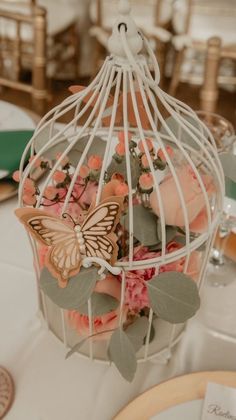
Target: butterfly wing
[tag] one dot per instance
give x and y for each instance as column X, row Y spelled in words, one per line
column 98, row 230
column 63, row 259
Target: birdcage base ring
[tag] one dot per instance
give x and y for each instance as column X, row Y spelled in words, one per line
column 159, row 349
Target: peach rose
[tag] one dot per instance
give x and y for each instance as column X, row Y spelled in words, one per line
column 144, row 161
column 29, row 200
column 115, row 187
column 121, row 136
column 194, row 263
column 146, row 181
column 37, row 162
column 122, row 189
column 148, row 143
column 29, row 187
column 110, row 286
column 50, row 192
column 120, row 149
column 95, row 162
column 59, row 176
column 169, row 151
column 193, row 197
column 84, row 171
column 16, row 176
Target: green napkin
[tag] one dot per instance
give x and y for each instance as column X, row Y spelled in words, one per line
column 12, row 145
column 230, row 188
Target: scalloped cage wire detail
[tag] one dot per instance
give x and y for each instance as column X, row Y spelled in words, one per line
column 162, row 158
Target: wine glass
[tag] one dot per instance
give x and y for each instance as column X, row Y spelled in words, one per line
column 222, row 270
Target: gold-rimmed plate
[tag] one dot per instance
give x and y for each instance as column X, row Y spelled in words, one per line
column 171, row 394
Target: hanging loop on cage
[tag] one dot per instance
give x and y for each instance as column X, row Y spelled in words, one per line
column 133, row 61
column 126, row 22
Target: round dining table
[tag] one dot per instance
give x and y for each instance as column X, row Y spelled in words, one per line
column 49, row 387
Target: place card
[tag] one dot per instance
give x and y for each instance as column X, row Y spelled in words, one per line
column 219, row 403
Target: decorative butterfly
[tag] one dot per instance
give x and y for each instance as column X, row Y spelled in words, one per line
column 70, row 244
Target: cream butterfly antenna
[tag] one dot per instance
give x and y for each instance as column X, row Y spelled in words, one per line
column 125, row 96
column 67, row 215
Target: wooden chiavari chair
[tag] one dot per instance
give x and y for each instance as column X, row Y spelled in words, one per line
column 41, row 36
column 13, row 48
column 216, row 53
column 201, row 20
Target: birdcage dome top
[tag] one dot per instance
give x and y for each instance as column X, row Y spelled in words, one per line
column 152, row 142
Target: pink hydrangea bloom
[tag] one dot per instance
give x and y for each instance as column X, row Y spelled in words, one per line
column 136, row 296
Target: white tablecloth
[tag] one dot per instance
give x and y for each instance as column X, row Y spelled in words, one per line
column 48, row 387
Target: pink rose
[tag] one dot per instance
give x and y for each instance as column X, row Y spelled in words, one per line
column 193, row 197
column 136, row 296
column 194, row 263
column 111, row 286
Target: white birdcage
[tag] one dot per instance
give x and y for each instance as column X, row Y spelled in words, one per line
column 125, row 102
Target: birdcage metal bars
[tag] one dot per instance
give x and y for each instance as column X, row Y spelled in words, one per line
column 125, row 74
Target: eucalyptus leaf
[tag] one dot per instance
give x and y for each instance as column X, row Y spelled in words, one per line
column 101, row 304
column 180, row 133
column 75, row 348
column 75, row 294
column 170, row 232
column 182, row 241
column 173, row 296
column 120, row 167
column 43, row 137
column 228, row 161
column 156, row 247
column 97, row 147
column 121, row 352
column 137, row 331
column 144, row 225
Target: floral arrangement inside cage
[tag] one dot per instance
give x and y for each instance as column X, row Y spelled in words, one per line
column 122, row 223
